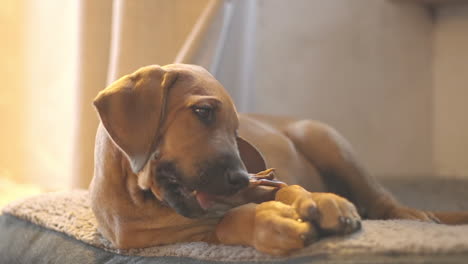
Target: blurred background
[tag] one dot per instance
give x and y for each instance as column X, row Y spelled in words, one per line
column 390, row 75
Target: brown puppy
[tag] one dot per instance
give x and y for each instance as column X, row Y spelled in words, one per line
column 171, row 163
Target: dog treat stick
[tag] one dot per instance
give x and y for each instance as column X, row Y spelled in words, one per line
column 265, row 178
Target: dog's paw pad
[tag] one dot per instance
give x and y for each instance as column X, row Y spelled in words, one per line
column 349, row 225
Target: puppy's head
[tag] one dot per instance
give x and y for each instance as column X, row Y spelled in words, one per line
column 177, row 127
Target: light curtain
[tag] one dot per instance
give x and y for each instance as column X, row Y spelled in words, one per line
column 117, row 37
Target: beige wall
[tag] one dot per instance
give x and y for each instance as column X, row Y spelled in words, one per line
column 451, row 90
column 362, row 66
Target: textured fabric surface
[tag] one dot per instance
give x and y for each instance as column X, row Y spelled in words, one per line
column 24, row 243
column 70, row 213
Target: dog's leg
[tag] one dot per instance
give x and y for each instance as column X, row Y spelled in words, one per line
column 452, row 218
column 294, row 219
column 271, row 227
column 333, row 156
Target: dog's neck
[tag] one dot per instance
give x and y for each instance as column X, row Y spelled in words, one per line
column 146, row 178
column 114, row 176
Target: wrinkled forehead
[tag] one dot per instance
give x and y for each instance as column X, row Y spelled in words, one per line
column 195, row 80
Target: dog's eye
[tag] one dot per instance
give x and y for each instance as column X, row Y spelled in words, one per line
column 204, row 113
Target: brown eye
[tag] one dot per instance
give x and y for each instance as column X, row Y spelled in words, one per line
column 204, row 113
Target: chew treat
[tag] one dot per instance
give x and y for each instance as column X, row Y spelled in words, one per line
column 262, row 187
column 265, row 178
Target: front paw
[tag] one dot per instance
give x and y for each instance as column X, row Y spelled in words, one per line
column 335, row 214
column 279, row 229
column 331, row 213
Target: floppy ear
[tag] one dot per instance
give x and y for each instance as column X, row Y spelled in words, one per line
column 251, row 157
column 132, row 110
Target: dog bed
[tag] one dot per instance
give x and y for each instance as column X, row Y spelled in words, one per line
column 61, row 228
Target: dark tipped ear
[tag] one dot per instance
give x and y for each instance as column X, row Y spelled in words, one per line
column 252, row 158
column 132, row 109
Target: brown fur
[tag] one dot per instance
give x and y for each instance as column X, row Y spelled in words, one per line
column 152, row 151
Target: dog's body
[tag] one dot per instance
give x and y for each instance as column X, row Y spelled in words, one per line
column 168, row 168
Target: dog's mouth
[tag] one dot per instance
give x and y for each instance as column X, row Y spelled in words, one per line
column 206, row 200
column 196, row 200
column 187, row 200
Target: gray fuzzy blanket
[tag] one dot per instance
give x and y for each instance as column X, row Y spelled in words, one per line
column 70, row 213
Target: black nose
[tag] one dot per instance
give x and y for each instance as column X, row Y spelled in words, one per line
column 237, row 179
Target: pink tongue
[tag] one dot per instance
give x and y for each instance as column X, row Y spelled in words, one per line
column 205, row 200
